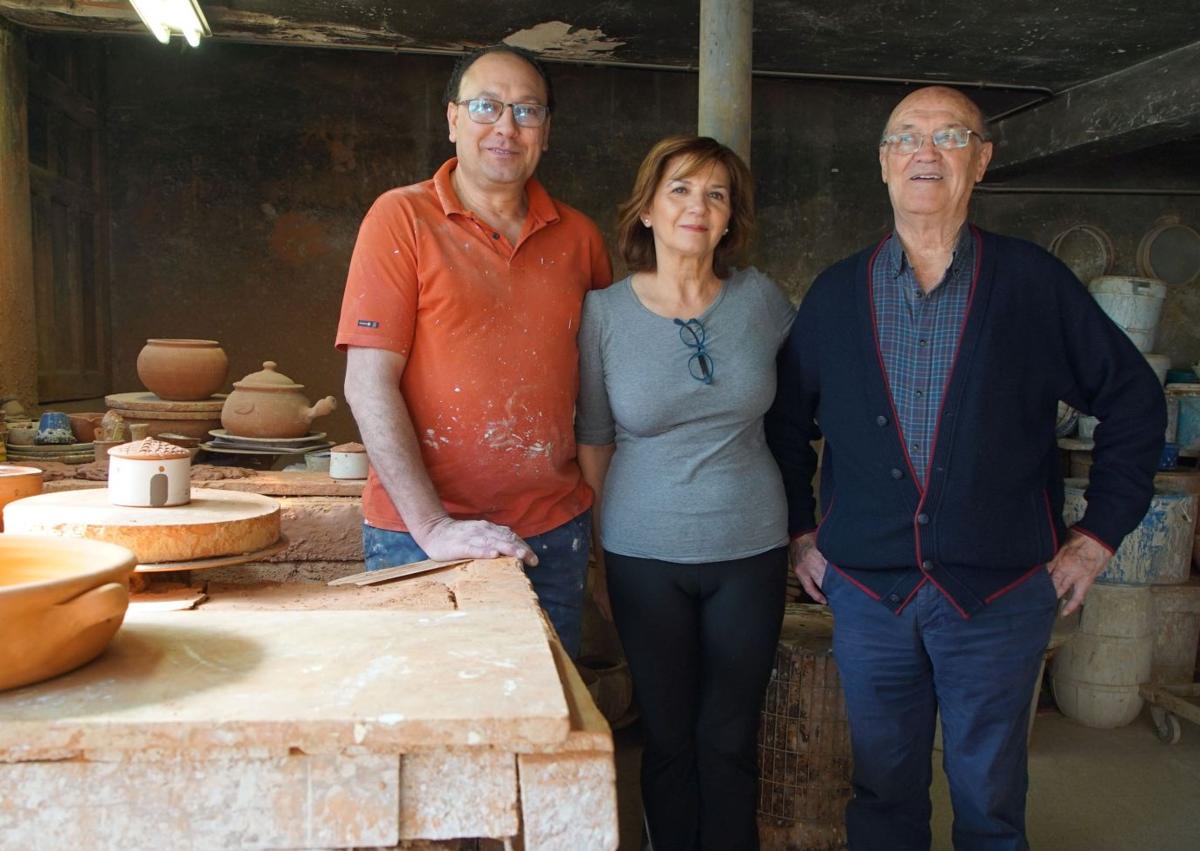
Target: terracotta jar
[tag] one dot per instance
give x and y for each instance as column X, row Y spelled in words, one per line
column 17, row 482
column 182, row 370
column 269, row 404
column 61, row 602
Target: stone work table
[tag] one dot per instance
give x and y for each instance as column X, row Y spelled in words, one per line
column 301, row 716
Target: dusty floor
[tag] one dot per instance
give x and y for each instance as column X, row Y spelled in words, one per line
column 1090, row 790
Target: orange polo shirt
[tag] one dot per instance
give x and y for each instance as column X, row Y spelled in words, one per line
column 489, row 330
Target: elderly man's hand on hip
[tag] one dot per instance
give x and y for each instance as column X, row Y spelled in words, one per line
column 809, row 564
column 1075, row 567
column 447, row 539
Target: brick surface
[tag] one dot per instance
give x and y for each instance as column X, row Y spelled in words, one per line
column 568, row 802
column 458, row 793
column 321, row 528
column 296, row 801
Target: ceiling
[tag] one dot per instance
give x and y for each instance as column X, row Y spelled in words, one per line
column 1113, row 64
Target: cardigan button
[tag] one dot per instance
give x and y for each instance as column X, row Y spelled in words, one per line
column 893, row 598
column 923, row 519
column 881, row 421
column 897, row 473
column 927, row 565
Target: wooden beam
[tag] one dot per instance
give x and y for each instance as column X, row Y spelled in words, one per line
column 1153, row 102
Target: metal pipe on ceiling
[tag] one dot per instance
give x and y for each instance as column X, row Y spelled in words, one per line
column 726, row 66
column 1001, row 189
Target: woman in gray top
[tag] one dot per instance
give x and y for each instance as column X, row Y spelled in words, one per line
column 677, row 368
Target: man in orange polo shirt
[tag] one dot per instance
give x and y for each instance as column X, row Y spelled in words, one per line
column 459, row 321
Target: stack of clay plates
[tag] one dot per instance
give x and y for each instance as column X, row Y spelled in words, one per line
column 63, row 453
column 191, row 419
column 223, row 441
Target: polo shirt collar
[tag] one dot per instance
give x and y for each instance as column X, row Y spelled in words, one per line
column 898, row 261
column 541, row 205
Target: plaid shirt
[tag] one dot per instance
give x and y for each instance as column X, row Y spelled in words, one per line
column 918, row 335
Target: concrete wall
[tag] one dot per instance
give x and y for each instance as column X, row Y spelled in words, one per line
column 239, row 175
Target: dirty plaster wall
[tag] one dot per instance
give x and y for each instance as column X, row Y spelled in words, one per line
column 239, row 175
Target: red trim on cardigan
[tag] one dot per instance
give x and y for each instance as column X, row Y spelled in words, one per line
column 996, row 595
column 1050, row 518
column 909, row 598
column 1092, row 535
column 854, row 582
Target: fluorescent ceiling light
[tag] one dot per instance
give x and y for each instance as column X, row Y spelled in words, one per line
column 163, row 17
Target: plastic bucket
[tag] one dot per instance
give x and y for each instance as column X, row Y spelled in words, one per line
column 1185, row 398
column 1135, row 304
column 1095, row 676
column 1159, row 550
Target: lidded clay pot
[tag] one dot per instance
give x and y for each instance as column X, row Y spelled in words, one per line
column 182, row 370
column 149, row 473
column 269, row 404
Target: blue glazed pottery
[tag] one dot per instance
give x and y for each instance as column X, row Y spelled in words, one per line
column 54, row 427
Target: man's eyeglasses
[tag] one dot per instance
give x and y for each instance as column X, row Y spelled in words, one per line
column 489, row 110
column 700, row 364
column 948, row 139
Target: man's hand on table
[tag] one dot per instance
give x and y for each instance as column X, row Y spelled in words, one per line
column 446, row 539
column 1075, row 567
column 809, row 564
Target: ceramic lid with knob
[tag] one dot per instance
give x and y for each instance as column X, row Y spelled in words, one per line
column 267, row 379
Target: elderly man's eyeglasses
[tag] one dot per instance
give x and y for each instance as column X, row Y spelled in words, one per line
column 489, row 110
column 700, row 364
column 947, row 139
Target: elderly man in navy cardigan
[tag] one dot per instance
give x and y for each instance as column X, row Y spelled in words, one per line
column 932, row 364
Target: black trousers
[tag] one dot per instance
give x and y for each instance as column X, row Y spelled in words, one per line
column 700, row 639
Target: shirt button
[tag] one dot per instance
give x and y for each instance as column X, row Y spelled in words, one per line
column 922, row 343
column 927, row 565
column 881, row 420
column 916, row 447
column 923, row 519
column 897, row 473
column 920, row 393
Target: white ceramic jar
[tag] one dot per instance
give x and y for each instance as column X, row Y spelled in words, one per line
column 149, row 474
column 348, row 461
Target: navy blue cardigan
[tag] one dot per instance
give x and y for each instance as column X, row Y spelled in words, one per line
column 994, row 496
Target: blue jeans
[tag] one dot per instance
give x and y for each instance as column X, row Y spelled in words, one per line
column 558, row 580
column 899, row 671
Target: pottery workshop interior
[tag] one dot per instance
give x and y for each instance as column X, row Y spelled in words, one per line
column 196, row 650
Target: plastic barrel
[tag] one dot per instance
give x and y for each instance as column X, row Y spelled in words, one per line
column 1158, row 551
column 1095, row 676
column 1133, row 303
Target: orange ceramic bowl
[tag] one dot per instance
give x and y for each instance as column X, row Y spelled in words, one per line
column 61, row 602
column 17, row 482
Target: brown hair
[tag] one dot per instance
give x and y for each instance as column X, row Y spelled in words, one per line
column 636, row 242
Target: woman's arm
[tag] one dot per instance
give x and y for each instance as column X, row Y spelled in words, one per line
column 594, row 461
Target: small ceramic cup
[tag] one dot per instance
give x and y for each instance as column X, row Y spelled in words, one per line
column 317, row 462
column 22, row 434
column 54, row 427
column 347, row 464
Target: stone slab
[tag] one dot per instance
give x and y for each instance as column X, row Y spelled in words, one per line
column 297, row 801
column 319, row 681
column 568, row 802
column 298, row 483
column 214, row 523
column 459, row 793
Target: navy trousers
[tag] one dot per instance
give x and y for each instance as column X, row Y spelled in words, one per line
column 899, row 671
column 558, row 579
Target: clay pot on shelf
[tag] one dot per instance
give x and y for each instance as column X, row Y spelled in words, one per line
column 269, row 404
column 16, row 483
column 22, row 434
column 182, row 370
column 84, row 426
column 61, row 602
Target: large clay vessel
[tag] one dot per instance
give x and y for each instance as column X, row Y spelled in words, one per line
column 17, row 482
column 61, row 602
column 269, row 404
column 182, row 370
